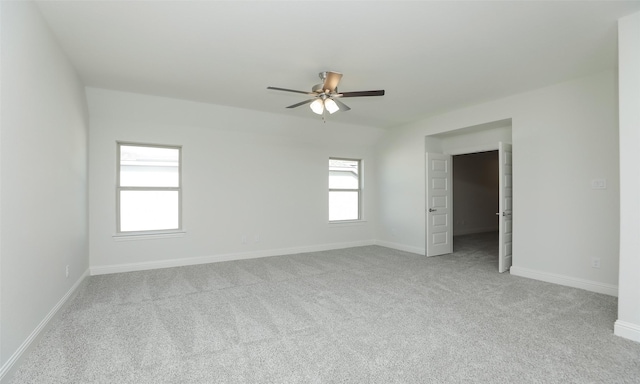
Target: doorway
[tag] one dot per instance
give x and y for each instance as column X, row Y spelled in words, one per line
column 484, row 196
column 476, row 197
column 475, row 193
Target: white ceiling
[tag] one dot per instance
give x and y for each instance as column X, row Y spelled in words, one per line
column 429, row 56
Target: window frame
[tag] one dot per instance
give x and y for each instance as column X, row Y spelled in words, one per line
column 120, row 188
column 358, row 191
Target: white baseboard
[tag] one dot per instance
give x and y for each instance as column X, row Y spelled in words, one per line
column 588, row 285
column 7, row 369
column 143, row 266
column 401, row 247
column 627, row 330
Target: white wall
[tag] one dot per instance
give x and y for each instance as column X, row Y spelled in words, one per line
column 245, row 173
column 475, row 193
column 628, row 323
column 43, row 178
column 484, row 137
column 563, row 137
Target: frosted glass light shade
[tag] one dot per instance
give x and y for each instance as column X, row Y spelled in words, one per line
column 317, row 106
column 331, row 106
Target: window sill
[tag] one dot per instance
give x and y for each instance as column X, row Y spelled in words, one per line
column 346, row 223
column 148, row 236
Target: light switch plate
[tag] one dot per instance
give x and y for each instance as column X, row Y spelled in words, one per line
column 599, row 184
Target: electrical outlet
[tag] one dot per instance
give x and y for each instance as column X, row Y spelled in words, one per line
column 256, row 238
column 595, row 262
column 243, row 239
column 66, row 271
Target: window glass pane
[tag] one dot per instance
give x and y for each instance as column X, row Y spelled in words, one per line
column 148, row 210
column 343, row 174
column 149, row 166
column 343, row 205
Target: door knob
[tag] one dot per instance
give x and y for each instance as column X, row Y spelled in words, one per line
column 432, row 210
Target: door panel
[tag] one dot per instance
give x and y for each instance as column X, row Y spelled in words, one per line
column 505, row 257
column 439, row 236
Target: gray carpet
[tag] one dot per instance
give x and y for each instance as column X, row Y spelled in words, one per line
column 359, row 315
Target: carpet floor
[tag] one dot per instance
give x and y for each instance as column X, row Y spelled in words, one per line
column 359, row 315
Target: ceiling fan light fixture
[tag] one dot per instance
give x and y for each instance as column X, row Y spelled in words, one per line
column 317, row 106
column 331, row 106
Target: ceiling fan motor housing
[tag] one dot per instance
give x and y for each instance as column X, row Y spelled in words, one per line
column 319, row 88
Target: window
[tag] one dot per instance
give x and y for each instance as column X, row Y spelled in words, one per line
column 148, row 191
column 345, row 186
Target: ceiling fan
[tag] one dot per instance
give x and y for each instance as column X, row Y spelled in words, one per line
column 326, row 95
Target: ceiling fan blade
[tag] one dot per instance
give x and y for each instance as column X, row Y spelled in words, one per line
column 331, row 81
column 290, row 90
column 343, row 107
column 301, row 103
column 362, row 93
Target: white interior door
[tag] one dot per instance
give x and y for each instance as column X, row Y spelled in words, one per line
column 439, row 201
column 506, row 207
